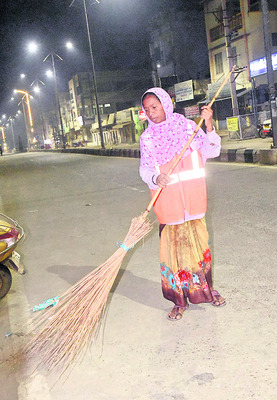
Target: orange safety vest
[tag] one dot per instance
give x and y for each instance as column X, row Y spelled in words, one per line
column 186, row 191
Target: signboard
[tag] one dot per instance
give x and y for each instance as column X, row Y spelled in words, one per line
column 183, row 91
column 80, row 120
column 259, row 67
column 141, row 115
column 192, row 111
column 232, row 124
column 123, row 116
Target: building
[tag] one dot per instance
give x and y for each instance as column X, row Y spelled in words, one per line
column 117, row 91
column 245, row 44
column 178, row 48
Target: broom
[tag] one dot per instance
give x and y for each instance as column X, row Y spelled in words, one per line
column 69, row 327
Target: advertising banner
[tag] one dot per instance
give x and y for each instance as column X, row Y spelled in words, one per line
column 183, row 91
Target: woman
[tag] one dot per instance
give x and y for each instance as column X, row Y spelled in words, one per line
column 185, row 258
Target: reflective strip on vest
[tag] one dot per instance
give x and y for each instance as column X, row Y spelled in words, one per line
column 194, row 173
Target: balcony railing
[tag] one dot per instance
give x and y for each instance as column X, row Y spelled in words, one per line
column 217, row 32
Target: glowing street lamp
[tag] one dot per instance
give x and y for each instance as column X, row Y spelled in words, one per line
column 32, row 47
column 69, row 45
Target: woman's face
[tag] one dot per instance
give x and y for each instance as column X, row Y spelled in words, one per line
column 154, row 109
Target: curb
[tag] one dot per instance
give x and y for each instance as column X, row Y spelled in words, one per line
column 249, row 156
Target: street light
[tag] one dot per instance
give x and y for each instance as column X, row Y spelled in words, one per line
column 33, row 47
column 36, row 83
column 3, row 133
column 52, row 55
column 26, row 100
column 27, row 96
column 93, row 70
column 11, row 119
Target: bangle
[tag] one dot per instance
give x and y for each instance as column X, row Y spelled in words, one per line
column 155, row 183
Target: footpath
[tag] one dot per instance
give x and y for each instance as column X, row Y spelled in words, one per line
column 256, row 150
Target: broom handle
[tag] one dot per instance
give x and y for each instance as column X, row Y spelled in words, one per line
column 158, row 192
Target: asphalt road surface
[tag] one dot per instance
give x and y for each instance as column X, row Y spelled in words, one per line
column 74, row 209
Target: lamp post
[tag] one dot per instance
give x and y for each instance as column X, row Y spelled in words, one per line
column 3, row 136
column 36, row 84
column 26, row 100
column 93, row 71
column 94, row 75
column 227, row 35
column 11, row 119
column 52, row 56
column 33, row 48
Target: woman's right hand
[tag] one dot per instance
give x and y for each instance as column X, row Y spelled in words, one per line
column 163, row 180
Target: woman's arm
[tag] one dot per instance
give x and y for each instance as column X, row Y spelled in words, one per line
column 149, row 176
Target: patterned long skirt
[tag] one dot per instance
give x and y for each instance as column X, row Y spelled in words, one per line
column 186, row 262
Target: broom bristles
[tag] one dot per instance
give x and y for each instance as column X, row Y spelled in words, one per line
column 69, row 327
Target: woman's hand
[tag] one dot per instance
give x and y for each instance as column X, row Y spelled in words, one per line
column 207, row 115
column 163, row 180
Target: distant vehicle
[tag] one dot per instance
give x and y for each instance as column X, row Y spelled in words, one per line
column 265, row 129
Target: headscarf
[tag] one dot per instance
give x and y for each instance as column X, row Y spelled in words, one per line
column 159, row 143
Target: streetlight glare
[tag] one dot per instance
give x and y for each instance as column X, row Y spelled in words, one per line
column 69, row 45
column 22, row 76
column 32, row 47
column 36, row 89
column 49, row 73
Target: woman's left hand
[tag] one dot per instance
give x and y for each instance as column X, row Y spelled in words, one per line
column 207, row 115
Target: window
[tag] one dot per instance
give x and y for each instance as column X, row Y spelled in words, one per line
column 255, row 5
column 218, row 63
column 233, row 7
column 274, row 39
column 157, row 54
column 272, row 5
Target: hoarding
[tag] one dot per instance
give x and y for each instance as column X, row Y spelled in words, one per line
column 259, row 67
column 183, row 91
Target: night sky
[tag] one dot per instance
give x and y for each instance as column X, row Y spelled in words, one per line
column 118, row 29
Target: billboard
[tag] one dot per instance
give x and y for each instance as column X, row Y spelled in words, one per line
column 183, row 91
column 259, row 67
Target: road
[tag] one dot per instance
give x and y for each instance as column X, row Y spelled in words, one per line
column 74, row 209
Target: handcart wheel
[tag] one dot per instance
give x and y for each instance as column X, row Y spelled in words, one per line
column 5, row 280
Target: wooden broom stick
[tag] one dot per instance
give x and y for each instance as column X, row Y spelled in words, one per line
column 159, row 190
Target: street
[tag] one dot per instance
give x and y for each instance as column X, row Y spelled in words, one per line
column 74, row 209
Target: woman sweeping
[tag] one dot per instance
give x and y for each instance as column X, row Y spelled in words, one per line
column 185, row 257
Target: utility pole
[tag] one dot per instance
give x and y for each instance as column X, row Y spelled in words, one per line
column 270, row 76
column 94, row 75
column 228, row 36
